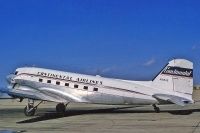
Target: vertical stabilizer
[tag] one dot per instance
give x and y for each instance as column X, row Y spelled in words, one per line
column 177, row 76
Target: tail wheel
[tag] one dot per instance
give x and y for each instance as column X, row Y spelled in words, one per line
column 29, row 110
column 61, row 108
column 157, row 109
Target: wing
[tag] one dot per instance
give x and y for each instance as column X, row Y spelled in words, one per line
column 61, row 95
column 45, row 94
column 164, row 98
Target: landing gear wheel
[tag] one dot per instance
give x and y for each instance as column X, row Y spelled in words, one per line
column 157, row 109
column 29, row 110
column 61, row 108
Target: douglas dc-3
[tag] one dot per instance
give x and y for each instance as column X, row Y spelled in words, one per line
column 173, row 85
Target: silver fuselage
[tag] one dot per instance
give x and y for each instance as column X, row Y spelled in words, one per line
column 64, row 87
column 108, row 91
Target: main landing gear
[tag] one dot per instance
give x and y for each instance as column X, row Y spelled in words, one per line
column 30, row 109
column 157, row 109
column 61, row 108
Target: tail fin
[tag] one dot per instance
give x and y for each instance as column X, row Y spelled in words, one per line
column 177, row 76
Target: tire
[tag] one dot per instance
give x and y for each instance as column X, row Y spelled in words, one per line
column 157, row 109
column 29, row 113
column 60, row 108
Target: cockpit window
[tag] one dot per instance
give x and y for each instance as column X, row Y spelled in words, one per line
column 16, row 72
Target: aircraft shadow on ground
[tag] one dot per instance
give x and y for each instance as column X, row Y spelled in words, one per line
column 53, row 115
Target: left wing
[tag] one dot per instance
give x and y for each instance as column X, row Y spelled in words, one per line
column 60, row 95
column 44, row 94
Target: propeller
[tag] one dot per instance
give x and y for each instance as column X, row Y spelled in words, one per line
column 10, row 78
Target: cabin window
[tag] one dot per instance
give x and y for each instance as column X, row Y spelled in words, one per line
column 75, row 86
column 16, row 72
column 96, row 89
column 66, row 84
column 85, row 87
column 57, row 83
column 49, row 81
column 40, row 80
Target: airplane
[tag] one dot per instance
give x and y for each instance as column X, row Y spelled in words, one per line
column 173, row 85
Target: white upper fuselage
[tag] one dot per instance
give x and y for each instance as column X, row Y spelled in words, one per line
column 58, row 86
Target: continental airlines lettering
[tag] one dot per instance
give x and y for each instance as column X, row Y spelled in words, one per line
column 69, row 78
column 178, row 71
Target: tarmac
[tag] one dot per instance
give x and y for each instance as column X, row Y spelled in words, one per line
column 87, row 118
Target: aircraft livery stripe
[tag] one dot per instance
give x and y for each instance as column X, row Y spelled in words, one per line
column 107, row 87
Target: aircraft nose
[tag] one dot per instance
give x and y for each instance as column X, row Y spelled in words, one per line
column 10, row 78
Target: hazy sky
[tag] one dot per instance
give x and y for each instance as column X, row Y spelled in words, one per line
column 128, row 39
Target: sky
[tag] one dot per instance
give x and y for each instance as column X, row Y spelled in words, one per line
column 126, row 39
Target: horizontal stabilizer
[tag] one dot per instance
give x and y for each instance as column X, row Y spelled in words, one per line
column 164, row 98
